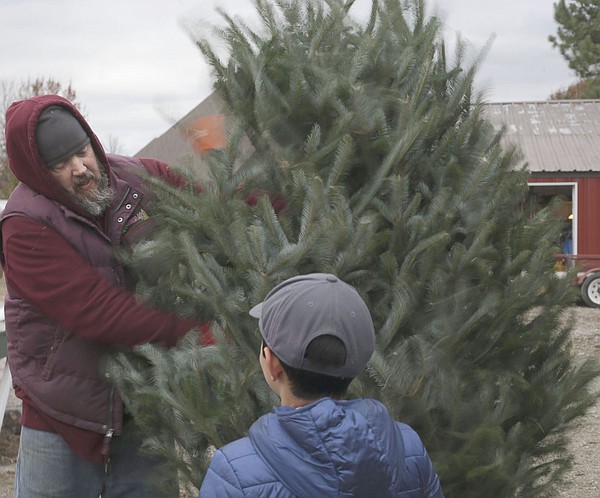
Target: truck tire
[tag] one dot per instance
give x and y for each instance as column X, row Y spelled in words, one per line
column 590, row 290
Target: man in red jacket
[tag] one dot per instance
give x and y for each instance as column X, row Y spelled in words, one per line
column 70, row 302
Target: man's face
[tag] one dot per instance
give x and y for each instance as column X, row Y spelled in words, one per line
column 81, row 176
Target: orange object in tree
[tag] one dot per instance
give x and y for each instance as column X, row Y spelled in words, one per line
column 207, row 132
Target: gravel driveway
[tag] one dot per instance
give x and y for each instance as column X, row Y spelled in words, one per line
column 583, row 480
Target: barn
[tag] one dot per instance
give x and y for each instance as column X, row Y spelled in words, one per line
column 560, row 142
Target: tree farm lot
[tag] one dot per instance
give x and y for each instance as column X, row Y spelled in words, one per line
column 582, row 481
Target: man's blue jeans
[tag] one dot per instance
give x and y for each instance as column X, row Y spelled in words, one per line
column 47, row 468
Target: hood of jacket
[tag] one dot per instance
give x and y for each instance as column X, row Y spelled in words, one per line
column 332, row 448
column 23, row 156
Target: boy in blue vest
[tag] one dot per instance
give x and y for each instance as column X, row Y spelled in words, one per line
column 317, row 336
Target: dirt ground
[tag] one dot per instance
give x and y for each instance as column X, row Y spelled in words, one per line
column 582, row 481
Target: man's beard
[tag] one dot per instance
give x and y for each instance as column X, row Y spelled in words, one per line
column 94, row 202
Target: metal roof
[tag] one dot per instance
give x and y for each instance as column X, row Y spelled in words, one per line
column 554, row 136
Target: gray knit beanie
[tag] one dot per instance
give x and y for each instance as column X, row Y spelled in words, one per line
column 59, row 135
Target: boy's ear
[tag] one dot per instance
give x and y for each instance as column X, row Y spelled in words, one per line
column 273, row 364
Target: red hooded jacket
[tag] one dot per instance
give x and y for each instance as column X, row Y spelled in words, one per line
column 69, row 300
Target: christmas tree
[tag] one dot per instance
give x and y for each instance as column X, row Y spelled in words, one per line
column 366, row 151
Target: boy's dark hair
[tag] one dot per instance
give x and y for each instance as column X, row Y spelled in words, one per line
column 325, row 349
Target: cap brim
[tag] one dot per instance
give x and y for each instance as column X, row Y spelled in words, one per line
column 256, row 311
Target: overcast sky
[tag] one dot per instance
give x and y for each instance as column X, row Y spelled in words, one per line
column 135, row 69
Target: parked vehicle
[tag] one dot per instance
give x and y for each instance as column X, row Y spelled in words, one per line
column 589, row 282
column 588, row 275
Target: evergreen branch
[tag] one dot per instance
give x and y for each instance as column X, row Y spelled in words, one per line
column 394, row 156
column 342, row 161
column 427, row 245
column 400, row 306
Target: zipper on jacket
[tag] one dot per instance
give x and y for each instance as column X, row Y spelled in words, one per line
column 110, row 214
column 127, row 190
column 107, row 440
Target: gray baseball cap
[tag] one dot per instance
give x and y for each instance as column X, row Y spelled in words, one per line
column 307, row 306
